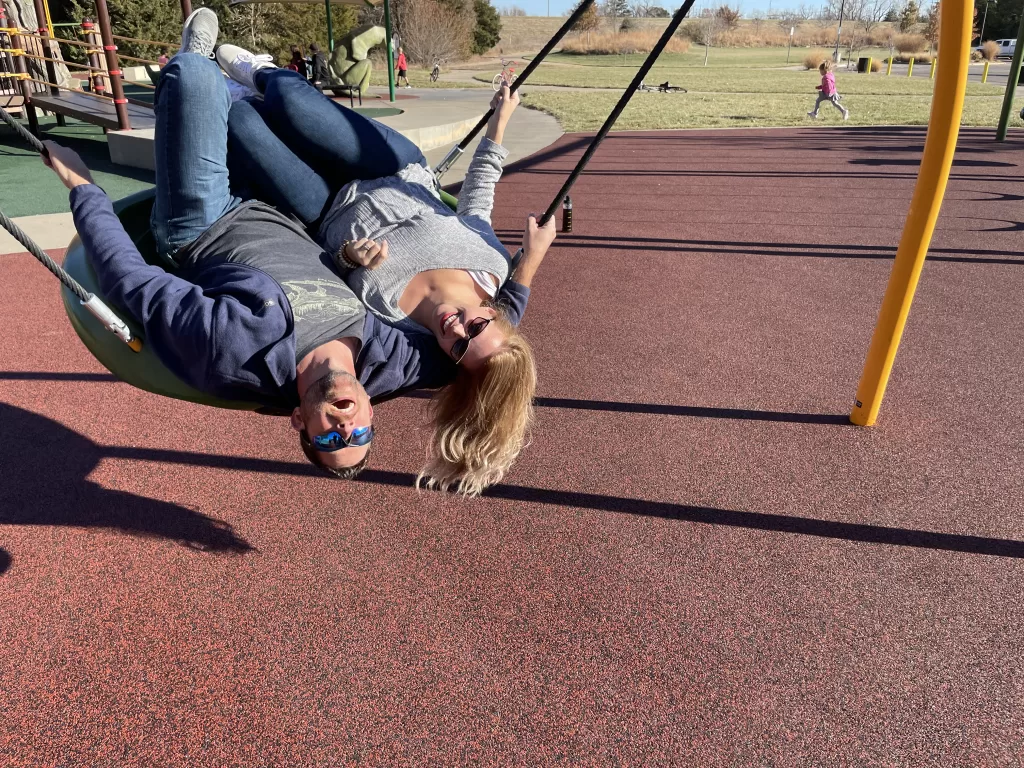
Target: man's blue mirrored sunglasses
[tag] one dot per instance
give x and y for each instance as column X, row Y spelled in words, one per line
column 335, row 441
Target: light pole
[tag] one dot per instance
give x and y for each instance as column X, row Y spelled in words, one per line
column 981, row 33
column 839, row 31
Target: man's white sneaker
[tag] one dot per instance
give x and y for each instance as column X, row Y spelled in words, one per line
column 846, row 115
column 813, row 115
column 199, row 35
column 242, row 65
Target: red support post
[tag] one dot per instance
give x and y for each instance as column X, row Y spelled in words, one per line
column 120, row 102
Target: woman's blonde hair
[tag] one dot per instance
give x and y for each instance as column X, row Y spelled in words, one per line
column 825, row 66
column 480, row 420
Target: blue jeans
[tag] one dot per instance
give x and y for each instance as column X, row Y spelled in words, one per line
column 297, row 148
column 192, row 190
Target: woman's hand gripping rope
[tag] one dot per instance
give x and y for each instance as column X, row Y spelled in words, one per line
column 536, row 242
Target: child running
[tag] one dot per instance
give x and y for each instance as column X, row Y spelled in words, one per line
column 828, row 91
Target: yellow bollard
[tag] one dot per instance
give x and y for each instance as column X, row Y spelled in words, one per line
column 931, row 72
column 910, row 68
column 936, row 161
column 870, row 59
column 984, row 72
column 888, row 70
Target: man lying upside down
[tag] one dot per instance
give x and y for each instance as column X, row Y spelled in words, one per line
column 256, row 309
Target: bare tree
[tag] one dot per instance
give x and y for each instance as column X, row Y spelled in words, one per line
column 874, row 13
column 435, row 32
column 251, row 21
column 788, row 19
column 729, row 17
column 648, row 9
column 757, row 20
column 511, row 10
column 705, row 31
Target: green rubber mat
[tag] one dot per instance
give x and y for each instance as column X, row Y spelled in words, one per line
column 27, row 187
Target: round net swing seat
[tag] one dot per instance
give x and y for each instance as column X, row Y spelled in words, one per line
column 140, row 369
column 144, row 369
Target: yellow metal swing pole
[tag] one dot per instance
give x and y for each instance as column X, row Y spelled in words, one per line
column 940, row 143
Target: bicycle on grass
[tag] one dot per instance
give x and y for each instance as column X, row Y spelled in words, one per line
column 507, row 75
column 661, row 88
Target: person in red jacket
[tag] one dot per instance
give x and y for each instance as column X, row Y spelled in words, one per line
column 828, row 91
column 402, row 65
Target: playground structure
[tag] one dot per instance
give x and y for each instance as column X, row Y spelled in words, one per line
column 95, row 92
column 350, row 64
column 99, row 97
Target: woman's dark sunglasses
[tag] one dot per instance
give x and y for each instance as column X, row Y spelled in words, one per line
column 474, row 329
column 335, row 441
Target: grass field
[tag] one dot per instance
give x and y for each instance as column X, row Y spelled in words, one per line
column 736, row 80
column 741, row 87
column 577, row 111
column 718, row 57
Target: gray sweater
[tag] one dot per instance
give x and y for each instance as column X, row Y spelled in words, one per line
column 422, row 232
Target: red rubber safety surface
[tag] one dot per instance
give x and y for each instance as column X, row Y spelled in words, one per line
column 695, row 562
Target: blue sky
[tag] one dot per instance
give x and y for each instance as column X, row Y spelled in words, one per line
column 559, row 7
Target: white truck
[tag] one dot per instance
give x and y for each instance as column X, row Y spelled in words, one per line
column 1006, row 48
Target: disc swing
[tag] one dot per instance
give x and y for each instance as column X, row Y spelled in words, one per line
column 117, row 342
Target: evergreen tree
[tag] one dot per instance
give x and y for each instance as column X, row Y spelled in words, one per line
column 488, row 27
column 909, row 16
column 1003, row 20
column 617, row 8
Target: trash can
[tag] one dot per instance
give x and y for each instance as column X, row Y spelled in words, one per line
column 864, row 64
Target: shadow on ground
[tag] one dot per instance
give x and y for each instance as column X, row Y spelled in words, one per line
column 52, row 487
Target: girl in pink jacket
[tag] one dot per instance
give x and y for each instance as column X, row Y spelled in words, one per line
column 827, row 91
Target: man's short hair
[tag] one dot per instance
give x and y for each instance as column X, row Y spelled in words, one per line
column 343, row 473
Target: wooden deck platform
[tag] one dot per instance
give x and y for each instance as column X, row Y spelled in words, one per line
column 93, row 110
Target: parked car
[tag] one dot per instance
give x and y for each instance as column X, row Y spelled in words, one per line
column 1006, row 48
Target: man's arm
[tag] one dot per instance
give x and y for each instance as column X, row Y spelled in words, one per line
column 176, row 316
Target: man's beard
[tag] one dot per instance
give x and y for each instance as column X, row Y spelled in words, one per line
column 318, row 393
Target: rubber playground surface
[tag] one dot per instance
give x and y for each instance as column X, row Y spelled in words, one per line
column 696, row 562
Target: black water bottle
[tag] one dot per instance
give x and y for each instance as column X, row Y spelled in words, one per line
column 567, row 214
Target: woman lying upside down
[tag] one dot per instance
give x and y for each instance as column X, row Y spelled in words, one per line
column 367, row 193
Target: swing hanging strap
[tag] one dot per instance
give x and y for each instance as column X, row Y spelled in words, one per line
column 90, row 301
column 458, row 149
column 652, row 57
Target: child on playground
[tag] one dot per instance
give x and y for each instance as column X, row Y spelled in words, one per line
column 827, row 91
column 402, row 65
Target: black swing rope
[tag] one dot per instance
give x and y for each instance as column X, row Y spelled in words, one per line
column 90, row 301
column 459, row 148
column 641, row 73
